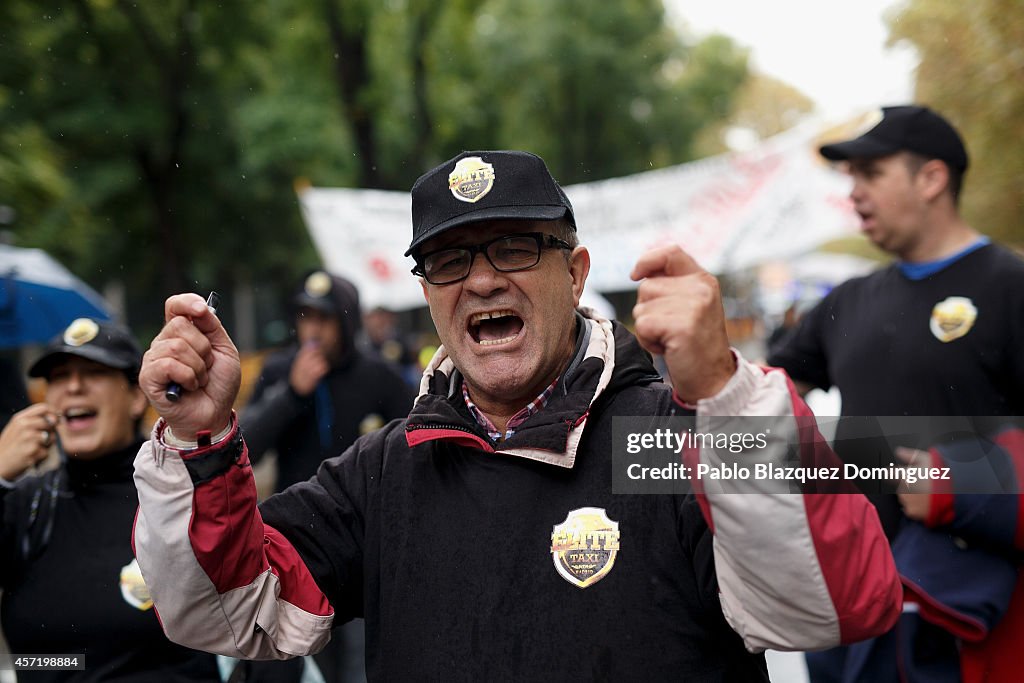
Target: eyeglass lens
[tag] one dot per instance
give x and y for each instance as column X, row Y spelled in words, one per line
column 510, row 253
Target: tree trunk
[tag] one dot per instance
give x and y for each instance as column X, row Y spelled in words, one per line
column 351, row 73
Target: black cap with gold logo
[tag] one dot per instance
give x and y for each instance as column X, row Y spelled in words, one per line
column 480, row 186
column 99, row 341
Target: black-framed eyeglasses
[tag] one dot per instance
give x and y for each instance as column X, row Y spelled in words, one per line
column 507, row 254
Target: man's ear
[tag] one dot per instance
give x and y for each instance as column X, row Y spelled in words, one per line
column 579, row 268
column 426, row 296
column 933, row 179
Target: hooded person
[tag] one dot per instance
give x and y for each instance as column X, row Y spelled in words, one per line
column 79, row 516
column 314, row 398
column 318, row 395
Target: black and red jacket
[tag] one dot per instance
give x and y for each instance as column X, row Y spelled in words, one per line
column 443, row 541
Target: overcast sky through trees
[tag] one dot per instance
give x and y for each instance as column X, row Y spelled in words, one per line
column 833, row 52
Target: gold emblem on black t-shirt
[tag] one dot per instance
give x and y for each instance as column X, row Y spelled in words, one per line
column 952, row 318
column 584, row 546
column 133, row 587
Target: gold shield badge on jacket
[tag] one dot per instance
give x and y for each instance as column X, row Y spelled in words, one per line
column 584, row 546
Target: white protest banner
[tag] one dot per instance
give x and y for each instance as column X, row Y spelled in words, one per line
column 361, row 235
column 730, row 212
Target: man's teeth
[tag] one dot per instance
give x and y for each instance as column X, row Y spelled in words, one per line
column 506, row 316
column 491, row 342
column 71, row 413
column 477, row 317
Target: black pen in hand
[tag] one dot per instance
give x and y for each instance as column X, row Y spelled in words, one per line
column 173, row 391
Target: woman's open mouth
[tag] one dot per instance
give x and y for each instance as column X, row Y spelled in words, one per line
column 79, row 418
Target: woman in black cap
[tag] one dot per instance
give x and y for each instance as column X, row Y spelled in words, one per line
column 71, row 587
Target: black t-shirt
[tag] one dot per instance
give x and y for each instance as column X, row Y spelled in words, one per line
column 75, row 587
column 873, row 338
column 951, row 344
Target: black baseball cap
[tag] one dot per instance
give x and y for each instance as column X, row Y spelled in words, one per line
column 905, row 128
column 103, row 342
column 331, row 294
column 480, row 186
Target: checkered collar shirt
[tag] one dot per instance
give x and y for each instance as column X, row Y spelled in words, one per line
column 519, row 418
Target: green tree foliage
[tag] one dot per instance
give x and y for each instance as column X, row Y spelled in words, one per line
column 597, row 89
column 137, row 103
column 972, row 61
column 156, row 144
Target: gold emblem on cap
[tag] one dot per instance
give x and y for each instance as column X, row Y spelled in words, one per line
column 81, row 331
column 133, row 587
column 318, row 284
column 952, row 318
column 471, row 179
column 584, row 546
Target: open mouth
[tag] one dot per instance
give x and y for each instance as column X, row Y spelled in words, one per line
column 79, row 418
column 495, row 327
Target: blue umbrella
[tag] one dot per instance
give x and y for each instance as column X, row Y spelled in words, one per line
column 39, row 297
